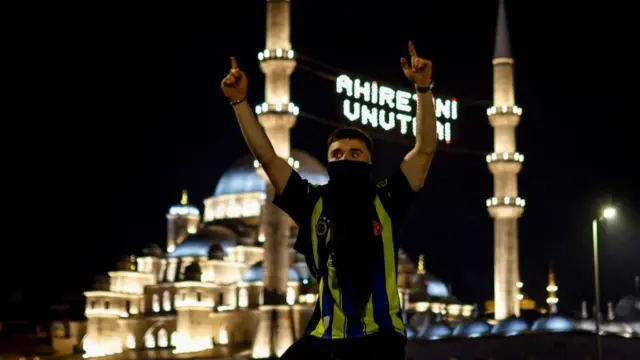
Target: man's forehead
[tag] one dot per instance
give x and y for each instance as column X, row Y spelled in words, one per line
column 347, row 144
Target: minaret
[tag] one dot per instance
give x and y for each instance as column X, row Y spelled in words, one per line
column 277, row 115
column 505, row 207
column 552, row 288
column 183, row 219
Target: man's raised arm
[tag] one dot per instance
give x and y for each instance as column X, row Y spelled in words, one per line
column 417, row 162
column 234, row 87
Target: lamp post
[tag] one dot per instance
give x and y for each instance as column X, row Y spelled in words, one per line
column 607, row 213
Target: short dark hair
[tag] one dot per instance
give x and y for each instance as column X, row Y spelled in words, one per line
column 350, row 132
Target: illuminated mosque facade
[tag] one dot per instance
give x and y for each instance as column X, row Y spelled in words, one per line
column 229, row 276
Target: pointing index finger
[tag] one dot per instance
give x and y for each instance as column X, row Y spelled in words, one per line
column 234, row 63
column 412, row 49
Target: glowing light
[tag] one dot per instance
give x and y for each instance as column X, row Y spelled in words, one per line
column 609, row 213
column 131, row 342
column 277, row 108
column 155, row 303
column 276, row 54
column 166, row 301
column 496, row 157
column 505, row 201
column 223, row 337
column 504, row 109
column 243, row 298
column 385, row 108
column 163, row 338
column 291, row 296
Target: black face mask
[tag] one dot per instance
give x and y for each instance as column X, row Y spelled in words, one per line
column 348, row 173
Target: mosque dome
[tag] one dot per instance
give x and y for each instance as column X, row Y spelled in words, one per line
column 205, row 243
column 411, row 332
column 437, row 331
column 554, row 323
column 472, row 329
column 243, row 178
column 255, row 273
column 510, row 326
column 628, row 309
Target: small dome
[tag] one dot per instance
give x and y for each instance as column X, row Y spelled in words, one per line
column 200, row 244
column 510, row 326
column 411, row 333
column 628, row 309
column 255, row 273
column 192, row 272
column 554, row 323
column 184, row 208
column 242, row 176
column 472, row 329
column 437, row 331
column 153, row 250
column 216, row 252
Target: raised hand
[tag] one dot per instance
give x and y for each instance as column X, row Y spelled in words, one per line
column 419, row 71
column 234, row 85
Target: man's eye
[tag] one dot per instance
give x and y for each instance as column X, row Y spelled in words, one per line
column 354, row 155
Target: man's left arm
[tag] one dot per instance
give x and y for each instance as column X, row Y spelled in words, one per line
column 417, row 162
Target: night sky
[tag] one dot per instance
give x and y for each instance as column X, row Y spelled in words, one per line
column 123, row 110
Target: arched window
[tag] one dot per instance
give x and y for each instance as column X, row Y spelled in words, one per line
column 131, row 342
column 174, row 338
column 163, row 338
column 166, row 301
column 223, row 337
column 155, row 303
column 243, row 298
column 149, row 340
column 291, row 296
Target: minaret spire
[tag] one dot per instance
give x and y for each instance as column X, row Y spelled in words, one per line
column 502, row 48
column 552, row 288
column 421, row 270
column 185, row 198
column 505, row 207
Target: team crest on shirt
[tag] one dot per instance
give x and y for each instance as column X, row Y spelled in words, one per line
column 377, row 228
column 322, row 227
column 382, row 183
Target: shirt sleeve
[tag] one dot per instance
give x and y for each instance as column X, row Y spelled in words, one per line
column 397, row 195
column 297, row 199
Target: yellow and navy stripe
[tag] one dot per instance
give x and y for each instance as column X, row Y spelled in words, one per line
column 334, row 316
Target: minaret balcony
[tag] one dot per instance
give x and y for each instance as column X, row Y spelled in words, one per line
column 287, row 109
column 291, row 161
column 276, row 54
column 505, row 162
column 504, row 110
column 504, row 115
column 505, row 207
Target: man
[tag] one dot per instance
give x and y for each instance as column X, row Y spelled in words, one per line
column 348, row 228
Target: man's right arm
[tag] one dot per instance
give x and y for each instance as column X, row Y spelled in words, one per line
column 277, row 169
column 234, row 87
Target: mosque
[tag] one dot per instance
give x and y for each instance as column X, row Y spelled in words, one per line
column 206, row 288
column 228, row 277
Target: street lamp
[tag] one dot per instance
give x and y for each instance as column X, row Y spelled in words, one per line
column 607, row 213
